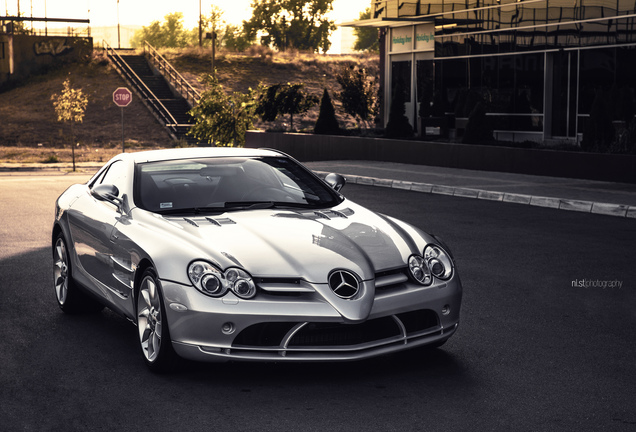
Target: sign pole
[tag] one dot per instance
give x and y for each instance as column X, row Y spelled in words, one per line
column 123, row 146
column 122, row 98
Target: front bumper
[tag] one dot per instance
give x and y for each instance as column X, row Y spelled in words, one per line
column 305, row 327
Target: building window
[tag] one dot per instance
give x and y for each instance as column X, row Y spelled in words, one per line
column 401, row 78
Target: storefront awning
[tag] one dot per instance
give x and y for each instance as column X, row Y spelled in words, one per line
column 387, row 22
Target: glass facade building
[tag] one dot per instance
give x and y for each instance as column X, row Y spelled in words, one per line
column 538, row 64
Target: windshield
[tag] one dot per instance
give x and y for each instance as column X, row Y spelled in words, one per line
column 228, row 183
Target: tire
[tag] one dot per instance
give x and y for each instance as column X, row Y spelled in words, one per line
column 152, row 327
column 70, row 298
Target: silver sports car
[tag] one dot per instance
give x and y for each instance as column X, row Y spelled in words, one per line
column 222, row 254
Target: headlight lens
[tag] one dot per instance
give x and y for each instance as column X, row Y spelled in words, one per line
column 213, row 282
column 241, row 283
column 438, row 262
column 419, row 270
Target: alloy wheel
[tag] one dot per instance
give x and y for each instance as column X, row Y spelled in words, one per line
column 60, row 271
column 149, row 320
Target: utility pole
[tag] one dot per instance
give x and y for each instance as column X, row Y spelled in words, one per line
column 200, row 29
column 118, row 31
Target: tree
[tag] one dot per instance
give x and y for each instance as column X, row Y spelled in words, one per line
column 169, row 34
column 210, row 23
column 284, row 99
column 327, row 124
column 221, row 119
column 366, row 37
column 296, row 24
column 70, row 106
column 358, row 93
column 236, row 39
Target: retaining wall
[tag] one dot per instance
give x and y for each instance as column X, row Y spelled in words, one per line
column 592, row 166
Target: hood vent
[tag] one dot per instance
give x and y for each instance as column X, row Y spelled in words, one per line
column 191, row 221
column 213, row 221
column 220, row 221
column 331, row 214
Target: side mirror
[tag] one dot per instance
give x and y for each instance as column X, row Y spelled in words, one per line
column 110, row 194
column 336, row 181
column 106, row 192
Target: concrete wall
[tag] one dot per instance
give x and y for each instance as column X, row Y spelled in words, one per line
column 593, row 166
column 29, row 55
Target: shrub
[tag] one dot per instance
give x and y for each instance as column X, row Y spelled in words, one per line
column 265, row 53
column 358, row 93
column 51, row 159
column 284, row 99
column 222, row 119
column 327, row 124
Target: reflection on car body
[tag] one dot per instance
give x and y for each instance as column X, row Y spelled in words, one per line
column 238, row 254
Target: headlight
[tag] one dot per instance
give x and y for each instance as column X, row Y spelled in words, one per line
column 213, row 282
column 240, row 282
column 438, row 262
column 419, row 270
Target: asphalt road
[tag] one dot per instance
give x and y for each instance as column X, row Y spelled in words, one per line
column 534, row 351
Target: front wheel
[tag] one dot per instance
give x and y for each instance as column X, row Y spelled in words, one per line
column 69, row 297
column 154, row 335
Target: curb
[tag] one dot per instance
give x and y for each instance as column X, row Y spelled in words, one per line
column 58, row 168
column 606, row 209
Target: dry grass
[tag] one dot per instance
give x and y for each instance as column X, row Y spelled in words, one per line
column 28, row 116
column 52, row 155
column 29, row 130
column 239, row 72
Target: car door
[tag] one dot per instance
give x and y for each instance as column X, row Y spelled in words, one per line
column 92, row 223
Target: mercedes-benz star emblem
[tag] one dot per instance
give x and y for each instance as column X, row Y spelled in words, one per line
column 344, row 284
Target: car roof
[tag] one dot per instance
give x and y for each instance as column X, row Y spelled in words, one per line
column 195, row 152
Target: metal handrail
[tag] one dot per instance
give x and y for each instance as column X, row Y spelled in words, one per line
column 188, row 92
column 134, row 79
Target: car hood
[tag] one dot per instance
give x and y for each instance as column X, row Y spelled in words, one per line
column 301, row 244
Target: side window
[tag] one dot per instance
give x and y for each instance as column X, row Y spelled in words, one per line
column 115, row 175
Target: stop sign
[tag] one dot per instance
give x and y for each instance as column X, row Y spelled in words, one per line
column 122, row 97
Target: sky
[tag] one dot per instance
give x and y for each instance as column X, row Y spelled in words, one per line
column 143, row 12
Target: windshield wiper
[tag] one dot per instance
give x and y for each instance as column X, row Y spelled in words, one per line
column 254, row 205
column 191, row 210
column 248, row 205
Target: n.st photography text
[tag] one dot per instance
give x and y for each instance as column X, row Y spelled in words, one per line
column 596, row 283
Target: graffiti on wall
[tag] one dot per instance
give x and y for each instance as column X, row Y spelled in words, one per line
column 53, row 47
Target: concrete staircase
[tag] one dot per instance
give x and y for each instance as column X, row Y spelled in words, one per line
column 163, row 99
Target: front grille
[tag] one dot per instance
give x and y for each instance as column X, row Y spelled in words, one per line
column 327, row 334
column 418, row 321
column 264, row 334
column 336, row 336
